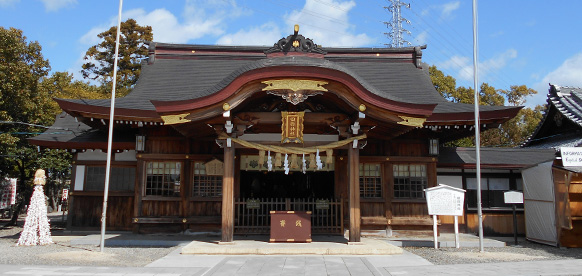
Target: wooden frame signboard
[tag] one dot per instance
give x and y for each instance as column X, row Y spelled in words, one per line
column 444, row 200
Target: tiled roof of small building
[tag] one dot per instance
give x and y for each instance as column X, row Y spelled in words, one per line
column 568, row 100
column 563, row 103
column 495, row 157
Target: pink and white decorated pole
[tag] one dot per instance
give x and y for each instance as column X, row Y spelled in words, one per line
column 37, row 230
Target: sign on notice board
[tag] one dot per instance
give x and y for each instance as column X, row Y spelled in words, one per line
column 571, row 156
column 445, row 200
column 513, row 197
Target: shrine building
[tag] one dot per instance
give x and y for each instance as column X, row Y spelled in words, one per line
column 214, row 138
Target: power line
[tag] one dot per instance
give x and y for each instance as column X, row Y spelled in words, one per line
column 34, row 125
column 457, row 40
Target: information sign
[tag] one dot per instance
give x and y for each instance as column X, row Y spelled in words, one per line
column 513, row 197
column 253, row 204
column 322, row 204
column 571, row 156
column 445, row 200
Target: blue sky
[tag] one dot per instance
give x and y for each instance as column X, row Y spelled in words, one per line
column 520, row 42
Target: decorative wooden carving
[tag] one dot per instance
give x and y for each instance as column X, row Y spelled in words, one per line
column 412, row 121
column 295, row 43
column 294, row 85
column 293, row 90
column 175, row 119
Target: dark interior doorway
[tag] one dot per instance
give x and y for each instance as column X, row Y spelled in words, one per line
column 255, row 184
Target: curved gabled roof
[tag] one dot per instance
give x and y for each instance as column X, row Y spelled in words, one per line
column 186, row 73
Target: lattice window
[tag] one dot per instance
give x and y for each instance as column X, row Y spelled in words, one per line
column 409, row 180
column 120, row 178
column 163, row 179
column 206, row 185
column 370, row 181
column 492, row 192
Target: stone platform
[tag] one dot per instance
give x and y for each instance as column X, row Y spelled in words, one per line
column 258, row 245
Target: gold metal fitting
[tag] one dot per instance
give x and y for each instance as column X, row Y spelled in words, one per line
column 362, row 107
column 225, row 106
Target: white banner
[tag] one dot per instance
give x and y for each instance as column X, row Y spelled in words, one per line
column 8, row 196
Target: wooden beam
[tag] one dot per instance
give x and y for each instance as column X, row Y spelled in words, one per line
column 354, row 190
column 253, row 118
column 228, row 196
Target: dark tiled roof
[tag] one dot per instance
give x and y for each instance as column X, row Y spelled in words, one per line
column 558, row 141
column 77, row 135
column 564, row 101
column 568, row 100
column 171, row 79
column 508, row 157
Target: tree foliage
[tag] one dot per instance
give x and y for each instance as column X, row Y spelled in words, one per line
column 510, row 134
column 132, row 50
column 26, row 106
column 21, row 67
column 62, row 85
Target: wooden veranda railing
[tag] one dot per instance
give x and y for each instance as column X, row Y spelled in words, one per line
column 252, row 216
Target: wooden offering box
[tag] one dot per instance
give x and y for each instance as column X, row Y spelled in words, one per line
column 290, row 226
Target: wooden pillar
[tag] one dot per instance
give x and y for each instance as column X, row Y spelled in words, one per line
column 354, row 190
column 228, row 195
column 388, row 183
column 138, row 194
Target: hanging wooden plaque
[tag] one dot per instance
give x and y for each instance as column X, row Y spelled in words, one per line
column 214, row 167
column 292, row 127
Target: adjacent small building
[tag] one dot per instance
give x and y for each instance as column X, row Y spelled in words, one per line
column 553, row 195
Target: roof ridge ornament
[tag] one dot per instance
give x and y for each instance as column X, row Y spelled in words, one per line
column 295, row 43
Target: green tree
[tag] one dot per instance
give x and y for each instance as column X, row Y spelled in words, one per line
column 445, row 85
column 510, row 134
column 57, row 163
column 25, row 107
column 132, row 50
column 62, row 85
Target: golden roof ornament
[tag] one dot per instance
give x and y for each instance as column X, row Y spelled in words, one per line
column 295, row 43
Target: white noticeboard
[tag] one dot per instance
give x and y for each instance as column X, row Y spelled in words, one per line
column 571, row 157
column 444, row 200
column 513, row 197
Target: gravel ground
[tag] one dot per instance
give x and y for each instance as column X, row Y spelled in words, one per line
column 63, row 253
column 525, row 251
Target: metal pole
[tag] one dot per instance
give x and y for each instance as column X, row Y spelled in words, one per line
column 477, row 127
column 515, row 223
column 110, row 139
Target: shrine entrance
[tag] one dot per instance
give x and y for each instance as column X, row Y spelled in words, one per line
column 262, row 192
column 276, row 184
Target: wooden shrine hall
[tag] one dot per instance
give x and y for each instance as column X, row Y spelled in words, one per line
column 214, row 138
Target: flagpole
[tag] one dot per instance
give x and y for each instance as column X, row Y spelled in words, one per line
column 110, row 139
column 477, row 124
